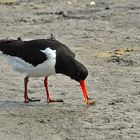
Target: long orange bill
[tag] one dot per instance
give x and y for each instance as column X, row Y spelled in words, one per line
column 84, row 89
column 85, row 92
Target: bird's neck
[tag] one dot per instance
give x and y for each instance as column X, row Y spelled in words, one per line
column 65, row 65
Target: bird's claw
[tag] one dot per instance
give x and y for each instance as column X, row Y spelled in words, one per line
column 56, row 100
column 31, row 100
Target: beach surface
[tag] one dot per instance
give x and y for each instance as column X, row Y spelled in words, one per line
column 105, row 36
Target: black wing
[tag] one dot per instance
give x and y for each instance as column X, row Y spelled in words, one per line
column 30, row 51
column 53, row 44
column 18, row 48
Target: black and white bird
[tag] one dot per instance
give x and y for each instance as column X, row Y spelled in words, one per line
column 42, row 58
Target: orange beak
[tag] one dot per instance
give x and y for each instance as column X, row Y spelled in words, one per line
column 85, row 92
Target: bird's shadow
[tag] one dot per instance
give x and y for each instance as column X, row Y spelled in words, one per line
column 19, row 104
column 4, row 104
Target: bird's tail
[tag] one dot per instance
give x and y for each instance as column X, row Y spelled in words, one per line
column 4, row 41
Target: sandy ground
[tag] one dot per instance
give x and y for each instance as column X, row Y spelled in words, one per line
column 106, row 38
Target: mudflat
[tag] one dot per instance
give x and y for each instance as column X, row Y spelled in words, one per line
column 105, row 36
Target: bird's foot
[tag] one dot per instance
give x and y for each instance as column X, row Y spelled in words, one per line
column 56, row 100
column 90, row 101
column 27, row 100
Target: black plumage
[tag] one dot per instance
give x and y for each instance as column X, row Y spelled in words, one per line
column 30, row 51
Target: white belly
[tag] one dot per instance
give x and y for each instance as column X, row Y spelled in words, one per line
column 46, row 68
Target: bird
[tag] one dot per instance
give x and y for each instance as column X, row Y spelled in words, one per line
column 43, row 58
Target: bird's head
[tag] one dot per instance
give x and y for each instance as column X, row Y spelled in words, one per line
column 76, row 71
column 71, row 67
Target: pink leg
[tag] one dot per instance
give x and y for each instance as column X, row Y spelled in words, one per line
column 47, row 92
column 27, row 99
column 26, row 79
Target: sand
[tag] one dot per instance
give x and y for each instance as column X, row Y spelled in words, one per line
column 106, row 38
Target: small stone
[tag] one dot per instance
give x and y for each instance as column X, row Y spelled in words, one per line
column 107, row 8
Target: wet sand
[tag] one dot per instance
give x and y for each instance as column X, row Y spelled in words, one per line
column 106, row 39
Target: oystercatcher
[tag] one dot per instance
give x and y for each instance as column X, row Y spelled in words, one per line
column 42, row 58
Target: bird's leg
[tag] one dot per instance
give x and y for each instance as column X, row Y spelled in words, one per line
column 26, row 79
column 27, row 99
column 47, row 92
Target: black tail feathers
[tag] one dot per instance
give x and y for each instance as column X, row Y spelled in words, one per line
column 4, row 41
